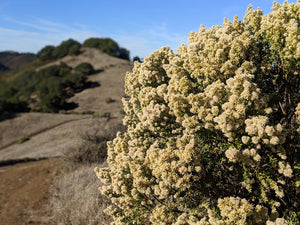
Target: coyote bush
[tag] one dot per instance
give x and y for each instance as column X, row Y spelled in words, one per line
column 212, row 131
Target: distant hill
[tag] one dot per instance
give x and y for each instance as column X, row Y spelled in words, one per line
column 14, row 60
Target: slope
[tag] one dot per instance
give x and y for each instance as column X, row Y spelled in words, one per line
column 49, row 135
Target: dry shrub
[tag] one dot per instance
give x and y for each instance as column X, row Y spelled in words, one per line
column 93, row 148
column 76, row 199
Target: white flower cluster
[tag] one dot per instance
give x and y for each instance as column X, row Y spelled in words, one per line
column 233, row 210
column 278, row 221
column 286, row 170
column 205, row 140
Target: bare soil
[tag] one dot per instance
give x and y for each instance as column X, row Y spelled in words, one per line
column 25, row 189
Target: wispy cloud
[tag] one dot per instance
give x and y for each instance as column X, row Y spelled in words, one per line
column 39, row 25
column 23, row 41
column 35, row 33
column 32, row 35
column 9, row 32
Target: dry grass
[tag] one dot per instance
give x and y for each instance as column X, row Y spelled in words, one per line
column 27, row 124
column 93, row 147
column 76, row 199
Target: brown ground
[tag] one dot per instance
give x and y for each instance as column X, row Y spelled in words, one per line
column 25, row 190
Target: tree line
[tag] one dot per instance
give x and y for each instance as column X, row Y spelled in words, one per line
column 72, row 47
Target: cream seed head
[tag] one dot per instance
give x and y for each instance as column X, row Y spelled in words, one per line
column 245, row 139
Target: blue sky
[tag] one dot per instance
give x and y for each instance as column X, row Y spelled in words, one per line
column 140, row 26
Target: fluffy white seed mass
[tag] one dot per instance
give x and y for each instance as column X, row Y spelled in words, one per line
column 212, row 130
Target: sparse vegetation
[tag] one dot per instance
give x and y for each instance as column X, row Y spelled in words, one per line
column 102, row 115
column 93, row 148
column 88, row 112
column 10, row 60
column 23, row 139
column 109, row 100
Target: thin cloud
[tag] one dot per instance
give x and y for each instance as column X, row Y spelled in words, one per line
column 47, row 32
column 23, row 41
column 44, row 32
column 39, row 24
column 49, row 23
column 6, row 32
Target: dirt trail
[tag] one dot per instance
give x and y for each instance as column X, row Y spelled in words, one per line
column 25, row 190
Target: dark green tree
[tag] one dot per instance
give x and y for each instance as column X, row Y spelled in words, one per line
column 124, row 54
column 136, row 58
column 85, row 68
column 108, row 46
column 46, row 53
column 68, row 47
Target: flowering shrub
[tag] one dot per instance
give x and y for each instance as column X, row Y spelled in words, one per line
column 212, row 131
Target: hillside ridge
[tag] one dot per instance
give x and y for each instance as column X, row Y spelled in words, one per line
column 15, row 60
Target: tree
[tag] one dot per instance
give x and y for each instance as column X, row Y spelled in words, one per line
column 46, row 53
column 108, row 46
column 68, row 47
column 85, row 68
column 136, row 58
column 124, row 54
column 212, row 130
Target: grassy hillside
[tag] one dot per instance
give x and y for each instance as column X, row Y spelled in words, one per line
column 31, row 83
